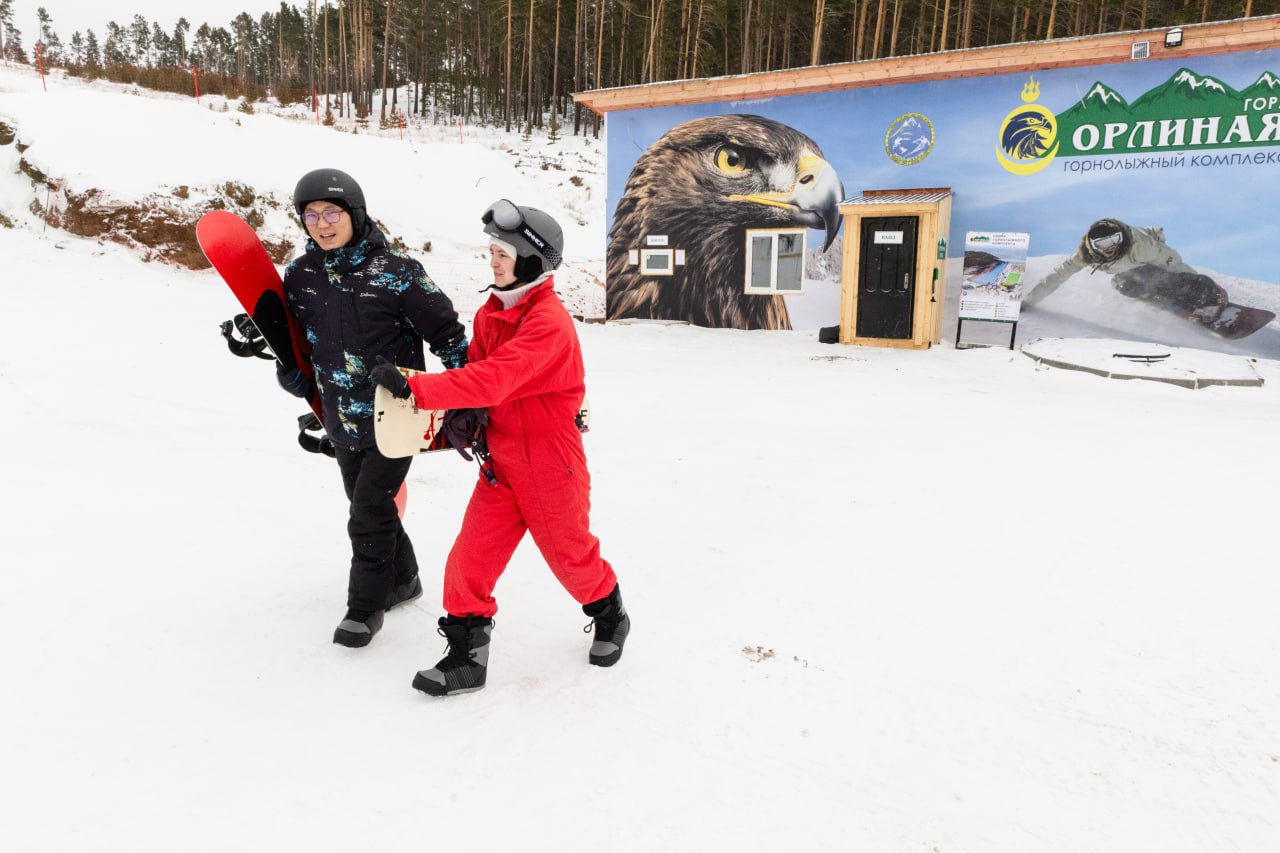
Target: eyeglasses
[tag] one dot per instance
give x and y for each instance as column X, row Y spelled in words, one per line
column 1107, row 242
column 332, row 215
column 508, row 217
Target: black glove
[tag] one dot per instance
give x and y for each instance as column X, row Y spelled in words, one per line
column 460, row 426
column 293, row 381
column 387, row 375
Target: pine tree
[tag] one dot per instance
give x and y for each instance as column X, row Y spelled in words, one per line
column 10, row 36
column 92, row 54
column 51, row 45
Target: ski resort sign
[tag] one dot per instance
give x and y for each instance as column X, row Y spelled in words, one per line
column 1167, row 126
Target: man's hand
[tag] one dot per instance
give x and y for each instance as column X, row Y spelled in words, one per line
column 293, row 381
column 387, row 375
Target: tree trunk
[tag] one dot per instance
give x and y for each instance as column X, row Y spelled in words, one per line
column 875, row 43
column 507, row 82
column 555, row 67
column 386, row 51
column 862, row 28
column 819, row 8
column 595, row 118
column 893, row 35
column 578, row 24
column 529, row 105
column 697, row 38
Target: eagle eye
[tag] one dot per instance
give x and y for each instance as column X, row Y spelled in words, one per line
column 730, row 160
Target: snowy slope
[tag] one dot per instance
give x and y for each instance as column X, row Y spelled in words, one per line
column 883, row 600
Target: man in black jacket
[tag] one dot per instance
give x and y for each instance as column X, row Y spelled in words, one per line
column 357, row 300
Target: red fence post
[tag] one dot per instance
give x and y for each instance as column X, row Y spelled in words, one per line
column 40, row 65
column 195, row 77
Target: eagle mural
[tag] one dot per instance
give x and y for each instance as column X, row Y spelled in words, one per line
column 702, row 185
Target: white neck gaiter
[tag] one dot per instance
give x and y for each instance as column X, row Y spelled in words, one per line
column 514, row 295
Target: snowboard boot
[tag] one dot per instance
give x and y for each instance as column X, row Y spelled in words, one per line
column 463, row 668
column 358, row 628
column 612, row 625
column 404, row 592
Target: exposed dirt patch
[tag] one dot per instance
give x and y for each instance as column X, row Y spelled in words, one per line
column 242, row 195
column 32, row 172
column 7, row 134
column 156, row 227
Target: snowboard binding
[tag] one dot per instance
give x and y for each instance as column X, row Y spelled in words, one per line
column 308, row 424
column 250, row 344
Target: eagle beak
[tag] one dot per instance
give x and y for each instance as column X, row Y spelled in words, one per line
column 814, row 198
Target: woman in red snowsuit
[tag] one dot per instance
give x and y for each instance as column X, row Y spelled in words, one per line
column 524, row 367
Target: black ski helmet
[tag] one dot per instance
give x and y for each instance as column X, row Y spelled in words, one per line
column 536, row 237
column 332, row 185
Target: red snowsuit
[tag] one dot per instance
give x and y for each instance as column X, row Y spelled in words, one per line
column 525, row 367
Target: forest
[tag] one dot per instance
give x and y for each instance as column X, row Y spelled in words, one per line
column 516, row 63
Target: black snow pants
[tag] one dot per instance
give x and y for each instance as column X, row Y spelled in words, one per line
column 381, row 553
column 1176, row 291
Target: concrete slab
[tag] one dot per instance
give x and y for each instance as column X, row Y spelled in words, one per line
column 1189, row 368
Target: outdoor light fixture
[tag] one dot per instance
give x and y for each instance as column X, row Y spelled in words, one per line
column 1173, row 38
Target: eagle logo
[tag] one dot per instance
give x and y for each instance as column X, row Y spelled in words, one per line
column 1028, row 135
column 705, row 183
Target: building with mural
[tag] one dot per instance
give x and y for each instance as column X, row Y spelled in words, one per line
column 1142, row 178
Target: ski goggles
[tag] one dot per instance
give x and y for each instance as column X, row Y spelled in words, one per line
column 332, row 215
column 508, row 218
column 1110, row 241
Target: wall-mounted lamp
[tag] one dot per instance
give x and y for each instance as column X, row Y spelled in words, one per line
column 1173, row 38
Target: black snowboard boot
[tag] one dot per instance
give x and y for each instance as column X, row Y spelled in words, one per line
column 463, row 668
column 612, row 625
column 358, row 628
column 404, row 592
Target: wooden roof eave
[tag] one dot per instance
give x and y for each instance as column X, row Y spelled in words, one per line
column 1198, row 40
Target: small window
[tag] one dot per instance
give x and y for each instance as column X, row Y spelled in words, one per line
column 657, row 262
column 775, row 261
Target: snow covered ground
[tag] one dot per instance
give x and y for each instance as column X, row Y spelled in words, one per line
column 882, row 600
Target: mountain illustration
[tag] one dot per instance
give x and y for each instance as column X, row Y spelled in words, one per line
column 1173, row 107
column 1266, row 86
column 1100, row 104
column 1188, row 94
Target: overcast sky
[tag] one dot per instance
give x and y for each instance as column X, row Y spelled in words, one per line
column 72, row 15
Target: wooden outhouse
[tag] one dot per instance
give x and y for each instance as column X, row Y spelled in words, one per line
column 893, row 272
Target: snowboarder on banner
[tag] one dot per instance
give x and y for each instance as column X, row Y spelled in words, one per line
column 358, row 300
column 525, row 367
column 1143, row 267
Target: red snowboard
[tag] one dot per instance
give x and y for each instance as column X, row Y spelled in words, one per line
column 239, row 257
